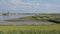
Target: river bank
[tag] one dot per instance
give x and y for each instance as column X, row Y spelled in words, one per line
column 35, row 18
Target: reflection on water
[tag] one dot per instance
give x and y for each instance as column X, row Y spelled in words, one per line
column 2, row 18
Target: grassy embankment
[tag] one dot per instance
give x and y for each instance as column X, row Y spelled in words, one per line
column 40, row 17
column 30, row 29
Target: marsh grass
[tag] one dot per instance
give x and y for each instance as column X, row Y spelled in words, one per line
column 30, row 32
column 30, row 29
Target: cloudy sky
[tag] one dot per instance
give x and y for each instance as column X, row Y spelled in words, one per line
column 30, row 6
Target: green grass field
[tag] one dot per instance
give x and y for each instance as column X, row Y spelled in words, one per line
column 30, row 29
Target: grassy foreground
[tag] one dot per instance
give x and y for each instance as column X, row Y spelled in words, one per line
column 30, row 29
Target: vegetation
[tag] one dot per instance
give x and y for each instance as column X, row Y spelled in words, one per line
column 39, row 17
column 30, row 29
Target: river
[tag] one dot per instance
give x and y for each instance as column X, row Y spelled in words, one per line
column 2, row 18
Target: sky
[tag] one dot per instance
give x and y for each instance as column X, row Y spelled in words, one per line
column 30, row 6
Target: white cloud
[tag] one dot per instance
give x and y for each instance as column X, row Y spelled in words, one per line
column 18, row 5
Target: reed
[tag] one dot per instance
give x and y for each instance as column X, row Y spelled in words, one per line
column 30, row 29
